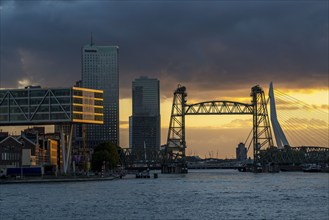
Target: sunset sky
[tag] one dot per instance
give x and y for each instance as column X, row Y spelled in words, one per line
column 217, row 49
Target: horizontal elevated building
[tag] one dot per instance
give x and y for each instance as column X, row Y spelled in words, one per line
column 36, row 105
column 57, row 106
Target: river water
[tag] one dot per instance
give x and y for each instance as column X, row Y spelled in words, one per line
column 200, row 194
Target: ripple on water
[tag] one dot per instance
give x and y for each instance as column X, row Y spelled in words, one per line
column 202, row 194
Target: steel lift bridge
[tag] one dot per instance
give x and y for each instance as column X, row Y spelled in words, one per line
column 176, row 143
column 174, row 151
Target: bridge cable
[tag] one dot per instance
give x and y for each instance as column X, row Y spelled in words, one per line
column 298, row 102
column 247, row 140
column 304, row 106
column 291, row 119
column 320, row 127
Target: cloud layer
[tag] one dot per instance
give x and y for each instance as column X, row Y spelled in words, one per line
column 211, row 47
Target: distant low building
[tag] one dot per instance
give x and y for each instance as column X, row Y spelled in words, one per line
column 31, row 148
column 30, row 151
column 3, row 135
column 52, row 152
column 11, row 152
column 50, row 144
column 241, row 152
column 17, row 151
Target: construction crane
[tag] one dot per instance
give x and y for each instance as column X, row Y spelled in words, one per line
column 85, row 159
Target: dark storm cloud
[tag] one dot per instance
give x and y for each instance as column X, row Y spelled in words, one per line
column 209, row 46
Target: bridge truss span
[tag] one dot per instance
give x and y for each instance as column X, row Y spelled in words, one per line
column 219, row 108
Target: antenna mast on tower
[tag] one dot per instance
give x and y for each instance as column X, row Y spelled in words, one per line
column 91, row 39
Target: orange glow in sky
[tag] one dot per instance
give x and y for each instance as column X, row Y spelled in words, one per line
column 216, row 135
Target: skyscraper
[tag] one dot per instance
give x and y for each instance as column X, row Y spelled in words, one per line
column 144, row 124
column 100, row 70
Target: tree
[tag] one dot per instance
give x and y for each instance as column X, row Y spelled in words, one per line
column 105, row 152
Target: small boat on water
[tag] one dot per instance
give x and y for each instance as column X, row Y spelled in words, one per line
column 143, row 174
column 312, row 168
column 250, row 168
column 155, row 175
column 291, row 168
column 242, row 169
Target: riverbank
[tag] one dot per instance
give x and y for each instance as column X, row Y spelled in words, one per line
column 57, row 179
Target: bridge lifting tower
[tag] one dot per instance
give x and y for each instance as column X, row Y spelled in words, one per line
column 261, row 125
column 175, row 161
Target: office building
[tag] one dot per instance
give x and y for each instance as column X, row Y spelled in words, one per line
column 100, row 70
column 144, row 124
column 145, row 93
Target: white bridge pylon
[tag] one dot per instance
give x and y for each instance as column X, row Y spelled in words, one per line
column 280, row 137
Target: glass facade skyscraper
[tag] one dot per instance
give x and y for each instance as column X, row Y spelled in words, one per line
column 100, row 70
column 144, row 124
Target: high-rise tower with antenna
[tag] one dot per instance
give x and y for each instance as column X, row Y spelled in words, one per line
column 100, row 70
